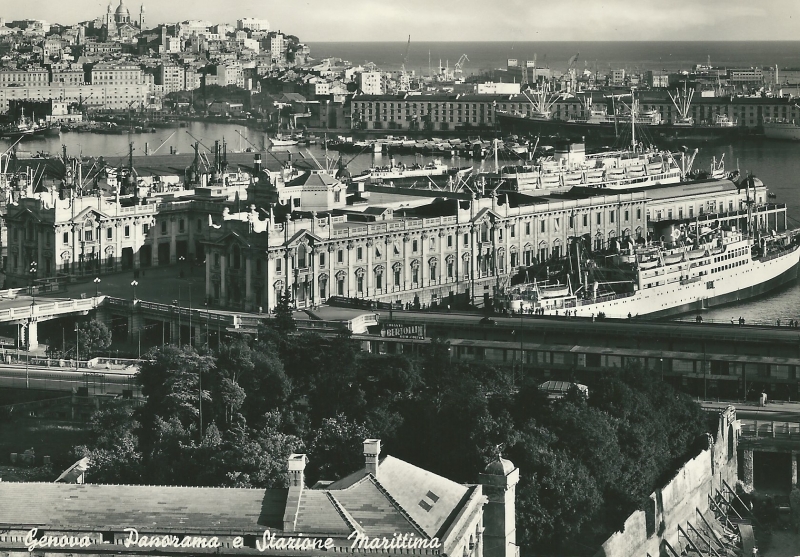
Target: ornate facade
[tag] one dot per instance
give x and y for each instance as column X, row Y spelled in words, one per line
column 471, row 246
column 382, row 256
column 90, row 236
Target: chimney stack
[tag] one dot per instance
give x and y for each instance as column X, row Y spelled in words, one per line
column 257, row 163
column 297, row 467
column 372, row 453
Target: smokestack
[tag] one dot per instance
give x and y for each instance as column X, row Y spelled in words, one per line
column 257, row 163
column 372, row 453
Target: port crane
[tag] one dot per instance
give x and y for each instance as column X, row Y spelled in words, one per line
column 458, row 70
column 82, row 101
column 405, row 56
column 572, row 71
column 403, row 74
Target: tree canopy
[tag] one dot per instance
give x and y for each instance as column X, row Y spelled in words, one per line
column 231, row 418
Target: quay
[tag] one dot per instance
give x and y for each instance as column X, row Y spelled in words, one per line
column 706, row 359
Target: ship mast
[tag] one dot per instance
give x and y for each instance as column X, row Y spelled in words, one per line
column 633, row 121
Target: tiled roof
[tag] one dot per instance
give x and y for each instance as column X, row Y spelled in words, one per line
column 159, row 508
column 372, row 510
column 318, row 514
column 429, row 499
column 402, row 499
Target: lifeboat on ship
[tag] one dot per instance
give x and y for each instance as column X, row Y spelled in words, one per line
column 594, row 176
column 550, row 180
column 573, row 178
column 635, row 172
column 648, row 264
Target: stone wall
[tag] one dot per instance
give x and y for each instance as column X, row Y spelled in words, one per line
column 679, row 501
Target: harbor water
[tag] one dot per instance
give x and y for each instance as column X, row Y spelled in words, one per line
column 776, row 163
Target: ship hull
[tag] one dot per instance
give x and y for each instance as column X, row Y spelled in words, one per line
column 521, row 125
column 786, row 278
column 742, row 283
column 788, row 133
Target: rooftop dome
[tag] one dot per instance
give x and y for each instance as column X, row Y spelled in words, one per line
column 500, row 467
column 122, row 9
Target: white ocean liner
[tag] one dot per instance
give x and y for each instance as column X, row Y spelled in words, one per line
column 727, row 266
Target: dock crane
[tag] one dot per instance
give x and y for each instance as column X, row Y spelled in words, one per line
column 458, row 70
column 405, row 55
column 403, row 75
column 82, row 101
column 573, row 71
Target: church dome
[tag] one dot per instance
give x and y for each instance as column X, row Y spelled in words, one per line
column 122, row 10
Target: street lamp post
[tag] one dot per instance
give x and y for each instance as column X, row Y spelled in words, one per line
column 77, row 347
column 208, row 340
column 32, row 272
column 178, row 303
column 96, row 286
column 134, row 283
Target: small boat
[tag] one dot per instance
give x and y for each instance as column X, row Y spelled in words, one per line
column 281, row 141
column 362, row 177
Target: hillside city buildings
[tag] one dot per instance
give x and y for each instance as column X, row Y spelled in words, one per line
column 119, row 61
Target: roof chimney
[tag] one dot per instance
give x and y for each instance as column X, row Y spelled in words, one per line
column 372, row 453
column 297, row 467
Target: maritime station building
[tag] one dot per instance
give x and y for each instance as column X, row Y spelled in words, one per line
column 421, row 248
column 369, row 512
column 261, row 232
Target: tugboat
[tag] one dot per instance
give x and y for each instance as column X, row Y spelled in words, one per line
column 23, row 128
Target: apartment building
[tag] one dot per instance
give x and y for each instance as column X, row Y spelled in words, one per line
column 253, row 24
column 370, row 83
column 24, row 77
column 172, row 77
column 115, row 74
column 105, row 97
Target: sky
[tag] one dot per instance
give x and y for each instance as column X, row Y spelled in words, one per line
column 462, row 20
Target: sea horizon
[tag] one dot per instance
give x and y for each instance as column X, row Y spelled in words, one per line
column 424, row 56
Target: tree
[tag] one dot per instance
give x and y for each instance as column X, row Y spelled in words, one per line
column 170, row 378
column 284, row 320
column 113, row 453
column 94, row 338
column 335, row 448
